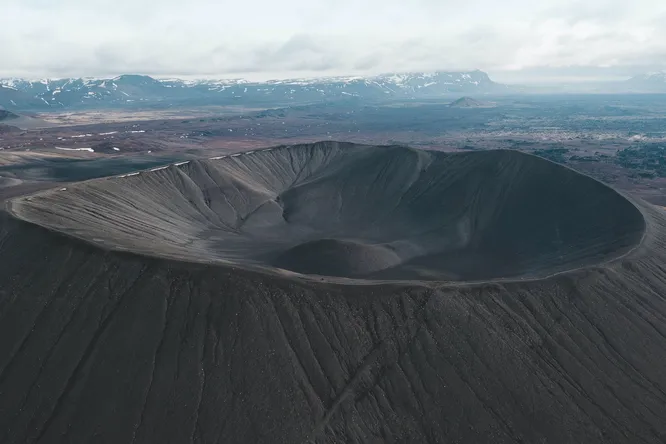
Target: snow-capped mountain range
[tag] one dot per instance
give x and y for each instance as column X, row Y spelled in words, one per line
column 137, row 90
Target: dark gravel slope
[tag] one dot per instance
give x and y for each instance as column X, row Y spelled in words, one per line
column 99, row 345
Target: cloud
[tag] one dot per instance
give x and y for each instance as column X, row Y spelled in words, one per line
column 263, row 38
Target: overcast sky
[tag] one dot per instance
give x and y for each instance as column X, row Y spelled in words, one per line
column 519, row 40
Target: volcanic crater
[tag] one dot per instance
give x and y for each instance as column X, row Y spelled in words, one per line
column 355, row 212
column 328, row 293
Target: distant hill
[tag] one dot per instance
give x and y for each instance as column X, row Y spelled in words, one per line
column 467, row 102
column 128, row 91
column 6, row 115
column 8, row 118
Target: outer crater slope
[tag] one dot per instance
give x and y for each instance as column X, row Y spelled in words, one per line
column 349, row 211
column 155, row 308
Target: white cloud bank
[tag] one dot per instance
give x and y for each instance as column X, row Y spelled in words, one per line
column 267, row 39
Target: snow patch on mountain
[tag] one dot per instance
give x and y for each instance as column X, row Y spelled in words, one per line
column 126, row 89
